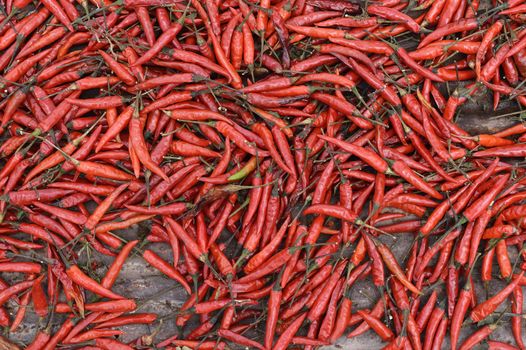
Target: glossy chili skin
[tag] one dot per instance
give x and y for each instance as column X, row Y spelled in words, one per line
column 264, row 157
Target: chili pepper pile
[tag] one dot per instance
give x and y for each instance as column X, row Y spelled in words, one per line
column 278, row 148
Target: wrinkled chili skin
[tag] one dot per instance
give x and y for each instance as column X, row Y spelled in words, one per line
column 264, row 157
column 520, row 62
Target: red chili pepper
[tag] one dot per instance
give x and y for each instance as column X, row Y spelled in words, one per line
column 378, row 326
column 116, row 266
column 358, row 138
column 286, row 337
column 394, row 15
column 478, row 336
column 393, row 266
column 322, row 300
column 268, row 250
column 516, row 321
column 377, row 311
column 386, row 91
column 401, row 169
column 40, row 233
column 204, row 345
column 140, row 147
column 366, row 155
column 83, row 280
column 238, row 339
column 157, row 262
column 23, row 267
column 266, row 136
column 122, row 305
column 270, row 265
column 8, row 293
column 190, row 244
column 64, row 329
column 333, row 210
column 440, row 334
column 39, row 298
column 94, row 334
column 111, row 344
column 20, row 314
column 488, row 37
column 329, row 320
column 432, row 325
column 482, row 203
column 450, row 28
column 40, row 340
column 484, row 309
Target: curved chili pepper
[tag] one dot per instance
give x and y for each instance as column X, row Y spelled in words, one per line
column 8, row 293
column 484, row 309
column 478, row 336
column 366, row 155
column 450, row 28
column 440, row 334
column 160, row 264
column 80, row 278
column 401, row 169
column 393, row 266
column 394, row 15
